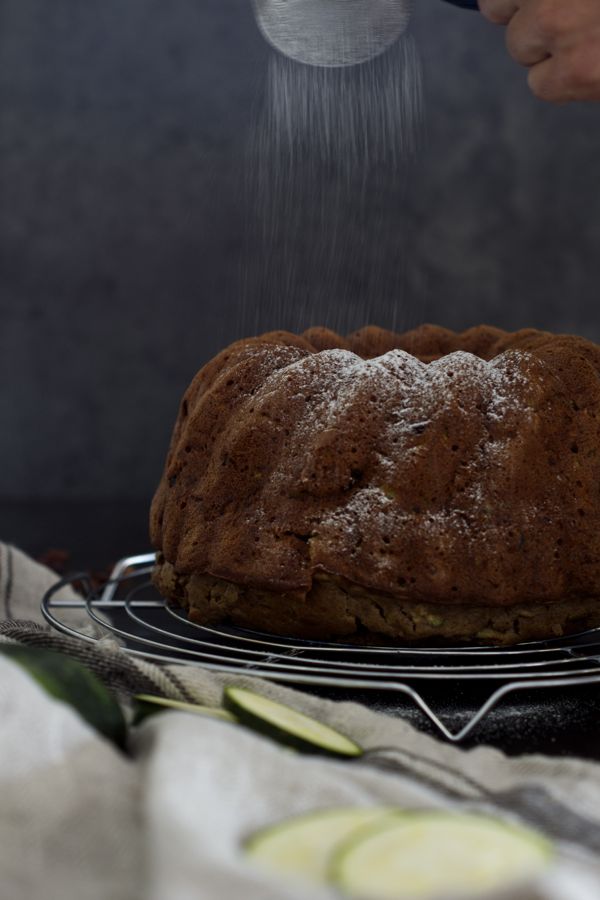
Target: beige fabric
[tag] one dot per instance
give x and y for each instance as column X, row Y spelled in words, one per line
column 79, row 819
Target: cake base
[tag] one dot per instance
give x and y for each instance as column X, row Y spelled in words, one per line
column 337, row 610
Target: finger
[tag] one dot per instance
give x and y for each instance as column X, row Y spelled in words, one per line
column 500, row 12
column 548, row 83
column 570, row 76
column 525, row 40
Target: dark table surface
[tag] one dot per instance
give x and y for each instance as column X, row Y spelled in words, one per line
column 98, row 534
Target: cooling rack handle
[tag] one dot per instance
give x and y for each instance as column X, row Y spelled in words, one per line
column 466, row 4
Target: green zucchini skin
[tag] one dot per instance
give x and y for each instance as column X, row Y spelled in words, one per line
column 239, row 702
column 147, row 705
column 68, row 680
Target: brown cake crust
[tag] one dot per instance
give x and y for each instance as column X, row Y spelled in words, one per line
column 375, row 484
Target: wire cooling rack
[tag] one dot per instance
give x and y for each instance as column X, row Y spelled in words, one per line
column 130, row 608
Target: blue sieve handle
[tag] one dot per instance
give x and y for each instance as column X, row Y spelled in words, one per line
column 466, row 4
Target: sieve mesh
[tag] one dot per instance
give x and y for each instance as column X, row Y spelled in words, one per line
column 332, row 32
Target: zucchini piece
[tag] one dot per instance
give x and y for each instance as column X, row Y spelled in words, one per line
column 433, row 854
column 286, row 725
column 148, row 705
column 68, row 680
column 301, row 847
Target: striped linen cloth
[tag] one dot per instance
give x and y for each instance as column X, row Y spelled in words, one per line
column 79, row 819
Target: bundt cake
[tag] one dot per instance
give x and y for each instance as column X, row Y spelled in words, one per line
column 394, row 487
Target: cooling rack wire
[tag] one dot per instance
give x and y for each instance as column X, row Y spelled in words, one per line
column 129, row 607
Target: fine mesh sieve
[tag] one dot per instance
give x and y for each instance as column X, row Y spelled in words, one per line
column 335, row 32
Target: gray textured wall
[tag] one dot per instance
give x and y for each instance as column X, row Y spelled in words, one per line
column 125, row 245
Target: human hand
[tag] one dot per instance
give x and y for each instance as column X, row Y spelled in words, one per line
column 557, row 40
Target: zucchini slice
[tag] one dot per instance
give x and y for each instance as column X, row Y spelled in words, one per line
column 148, row 705
column 68, row 680
column 301, row 847
column 433, row 854
column 286, row 725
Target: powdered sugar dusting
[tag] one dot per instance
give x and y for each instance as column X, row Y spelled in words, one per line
column 334, row 380
column 371, row 427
